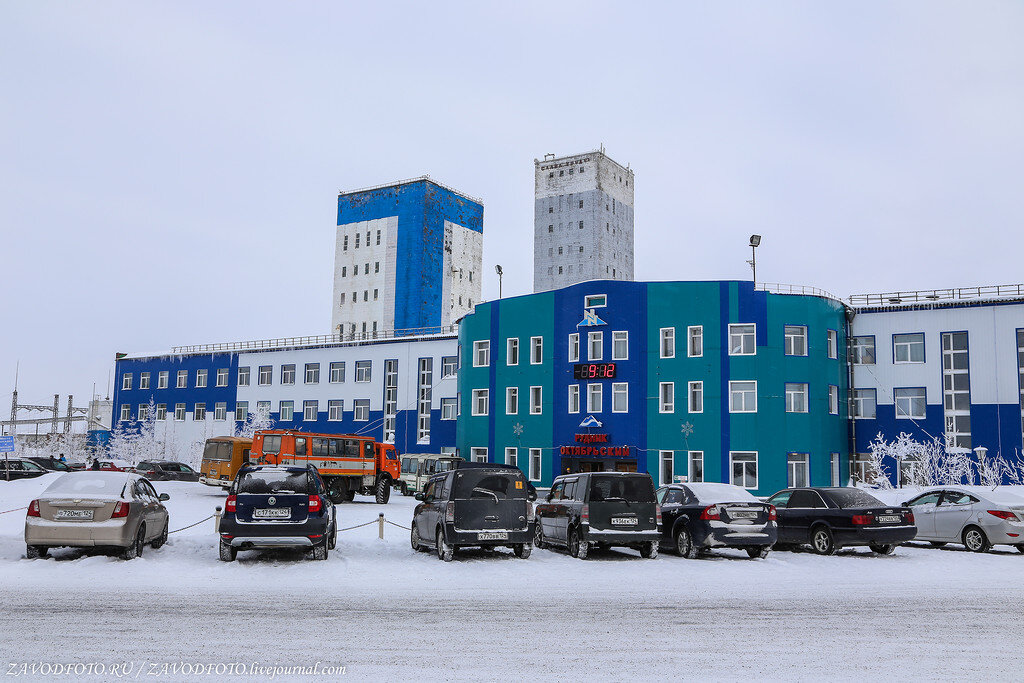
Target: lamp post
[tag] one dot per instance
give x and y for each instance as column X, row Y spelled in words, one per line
column 497, row 269
column 755, row 241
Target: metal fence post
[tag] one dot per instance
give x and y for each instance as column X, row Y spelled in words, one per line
column 380, row 525
column 216, row 520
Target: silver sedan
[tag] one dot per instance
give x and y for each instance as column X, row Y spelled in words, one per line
column 977, row 517
column 97, row 509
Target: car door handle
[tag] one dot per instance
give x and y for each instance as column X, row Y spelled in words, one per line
column 491, row 518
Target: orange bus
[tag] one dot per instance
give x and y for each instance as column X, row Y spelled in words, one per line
column 222, row 457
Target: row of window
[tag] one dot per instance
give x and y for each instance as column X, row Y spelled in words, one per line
column 202, row 378
column 908, row 348
column 344, row 241
column 366, row 269
column 355, row 299
column 286, row 411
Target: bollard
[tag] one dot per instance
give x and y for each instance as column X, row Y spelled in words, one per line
column 216, row 521
column 380, row 525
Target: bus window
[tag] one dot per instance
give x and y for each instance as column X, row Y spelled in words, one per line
column 336, row 446
column 367, row 449
column 300, row 445
column 352, row 448
column 272, row 443
column 319, row 447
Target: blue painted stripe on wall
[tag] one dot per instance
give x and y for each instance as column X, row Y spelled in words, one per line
column 723, row 457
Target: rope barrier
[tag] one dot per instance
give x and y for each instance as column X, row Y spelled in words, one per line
column 358, row 526
column 398, row 525
column 14, row 510
column 190, row 525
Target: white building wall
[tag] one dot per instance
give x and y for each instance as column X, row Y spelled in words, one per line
column 354, row 302
column 463, row 256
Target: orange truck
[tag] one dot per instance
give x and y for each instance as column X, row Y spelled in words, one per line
column 348, row 463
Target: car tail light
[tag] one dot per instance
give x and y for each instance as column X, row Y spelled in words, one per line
column 1003, row 514
column 120, row 510
column 230, row 503
column 657, row 514
column 710, row 512
column 449, row 512
column 530, row 514
column 33, row 509
column 585, row 514
column 773, row 515
column 861, row 520
column 910, row 517
column 314, row 504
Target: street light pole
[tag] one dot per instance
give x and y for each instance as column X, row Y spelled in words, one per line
column 497, row 269
column 755, row 240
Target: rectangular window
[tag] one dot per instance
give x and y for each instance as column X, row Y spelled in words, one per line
column 796, row 397
column 199, row 414
column 864, row 404
column 286, row 409
column 796, row 340
column 667, row 467
column 743, row 465
column 1020, row 372
column 956, row 388
column 201, row 378
column 574, row 347
column 126, row 381
column 743, row 397
column 668, row 342
column 263, row 407
column 595, row 300
column 696, row 471
column 312, row 373
column 143, row 411
column 182, row 381
column 863, row 350
column 478, row 454
column 390, row 397
column 535, row 464
column 832, row 342
column 574, row 398
column 595, row 394
column 162, row 379
column 620, row 345
column 335, row 409
column 143, row 380
column 288, row 374
column 449, row 366
column 481, row 353
column 241, row 411
column 449, row 408
column 220, row 411
column 222, row 377
column 910, row 403
column 337, row 372
column 266, row 373
column 833, row 399
column 696, row 397
column 361, row 409
column 666, row 397
column 425, row 399
column 126, row 412
column 310, row 411
column 363, row 370
column 511, row 456
column 595, row 345
column 480, row 401
column 741, row 340
column 243, row 376
column 536, row 350
column 512, row 351
column 908, row 348
column 536, row 400
column 179, row 412
column 834, row 462
column 695, row 345
column 161, row 412
column 620, row 397
column 797, row 470
column 511, row 400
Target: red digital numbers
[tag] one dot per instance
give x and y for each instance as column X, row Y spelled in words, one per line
column 595, row 371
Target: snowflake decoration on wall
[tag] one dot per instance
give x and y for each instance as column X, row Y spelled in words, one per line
column 518, row 429
column 687, row 429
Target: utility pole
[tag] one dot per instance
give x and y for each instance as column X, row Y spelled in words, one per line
column 56, row 413
column 67, row 420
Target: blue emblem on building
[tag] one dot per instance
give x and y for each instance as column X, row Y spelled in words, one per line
column 590, row 319
column 591, row 421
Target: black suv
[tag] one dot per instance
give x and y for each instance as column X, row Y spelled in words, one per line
column 52, row 464
column 600, row 508
column 474, row 506
column 278, row 507
column 166, row 470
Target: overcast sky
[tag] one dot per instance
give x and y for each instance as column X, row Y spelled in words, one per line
column 169, row 171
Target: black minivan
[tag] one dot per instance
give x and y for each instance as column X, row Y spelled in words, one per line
column 480, row 506
column 602, row 509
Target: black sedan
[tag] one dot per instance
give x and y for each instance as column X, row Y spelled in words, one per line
column 832, row 518
column 20, row 468
column 700, row 516
column 166, row 470
column 51, row 464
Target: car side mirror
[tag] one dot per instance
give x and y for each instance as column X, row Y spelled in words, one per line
column 164, row 496
column 531, row 496
column 418, row 496
column 905, row 503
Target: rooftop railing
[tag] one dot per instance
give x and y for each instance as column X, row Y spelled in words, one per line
column 925, row 296
column 407, row 181
column 318, row 340
column 802, row 290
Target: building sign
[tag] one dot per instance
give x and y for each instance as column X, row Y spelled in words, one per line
column 598, row 449
column 590, row 319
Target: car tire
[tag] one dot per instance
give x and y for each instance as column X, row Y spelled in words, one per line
column 538, row 536
column 649, row 550
column 883, row 548
column 228, row 552
column 445, row 552
column 405, row 489
column 937, row 544
column 522, row 550
column 161, row 539
column 382, row 492
column 414, row 539
column 685, row 546
column 36, row 552
column 332, row 542
column 578, row 548
column 319, row 551
column 135, row 549
column 758, row 552
column 822, row 542
column 1020, row 548
column 975, row 540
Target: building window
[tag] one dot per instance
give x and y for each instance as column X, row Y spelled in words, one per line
column 182, row 381
column 199, row 414
column 595, row 394
column 337, row 372
column 425, row 398
column 833, row 399
column 266, row 373
column 478, row 454
column 162, row 378
column 201, row 378
column 363, row 370
column 143, row 412
column 620, row 345
column 667, row 467
column 832, row 342
column 696, row 471
column 860, row 467
column 574, row 398
column 574, row 347
column 796, row 397
column 743, row 397
column 511, row 400
column 864, row 404
column 666, row 397
column 480, row 399
column 696, row 397
column 1020, row 372
column 743, row 465
column 263, row 407
column 668, row 342
column 511, row 456
column 695, row 344
column 390, row 397
column 536, row 400
column 361, row 410
column 222, row 377
column 179, row 412
column 243, row 376
column 344, row 243
column 312, row 373
column 595, row 301
column 796, row 340
column 834, row 462
column 288, row 374
column 449, row 366
column 126, row 381
column 536, row 350
column 286, row 409
column 908, row 348
column 535, row 464
column 161, row 412
column 741, row 340
column 449, row 408
column 620, row 397
column 910, row 403
column 512, row 351
column 241, row 411
column 797, row 470
column 220, row 411
column 595, row 344
column 956, row 388
column 481, row 353
column 310, row 410
column 143, row 380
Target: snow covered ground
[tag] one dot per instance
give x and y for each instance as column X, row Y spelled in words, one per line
column 384, row 612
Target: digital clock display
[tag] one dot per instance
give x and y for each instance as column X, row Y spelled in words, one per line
column 593, row 371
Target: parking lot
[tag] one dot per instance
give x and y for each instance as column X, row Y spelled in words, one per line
column 382, row 611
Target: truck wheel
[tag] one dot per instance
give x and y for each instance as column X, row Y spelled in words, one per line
column 445, row 552
column 382, row 492
column 348, row 496
column 335, row 491
column 522, row 550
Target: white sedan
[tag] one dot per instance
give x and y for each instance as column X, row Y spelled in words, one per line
column 976, row 516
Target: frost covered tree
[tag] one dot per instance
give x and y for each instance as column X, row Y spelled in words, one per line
column 939, row 463
column 136, row 442
column 256, row 420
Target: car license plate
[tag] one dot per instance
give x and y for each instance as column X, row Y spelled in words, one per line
column 492, row 536
column 624, row 521
column 888, row 519
column 213, row 473
column 742, row 514
column 73, row 514
column 272, row 513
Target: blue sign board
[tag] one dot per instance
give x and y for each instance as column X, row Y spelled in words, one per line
column 6, row 444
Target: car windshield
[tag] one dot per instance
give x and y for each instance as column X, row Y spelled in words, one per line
column 721, row 493
column 634, row 489
column 273, row 481
column 88, row 483
column 853, row 498
column 484, row 484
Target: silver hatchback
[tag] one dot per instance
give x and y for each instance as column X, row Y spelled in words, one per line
column 976, row 516
column 97, row 509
